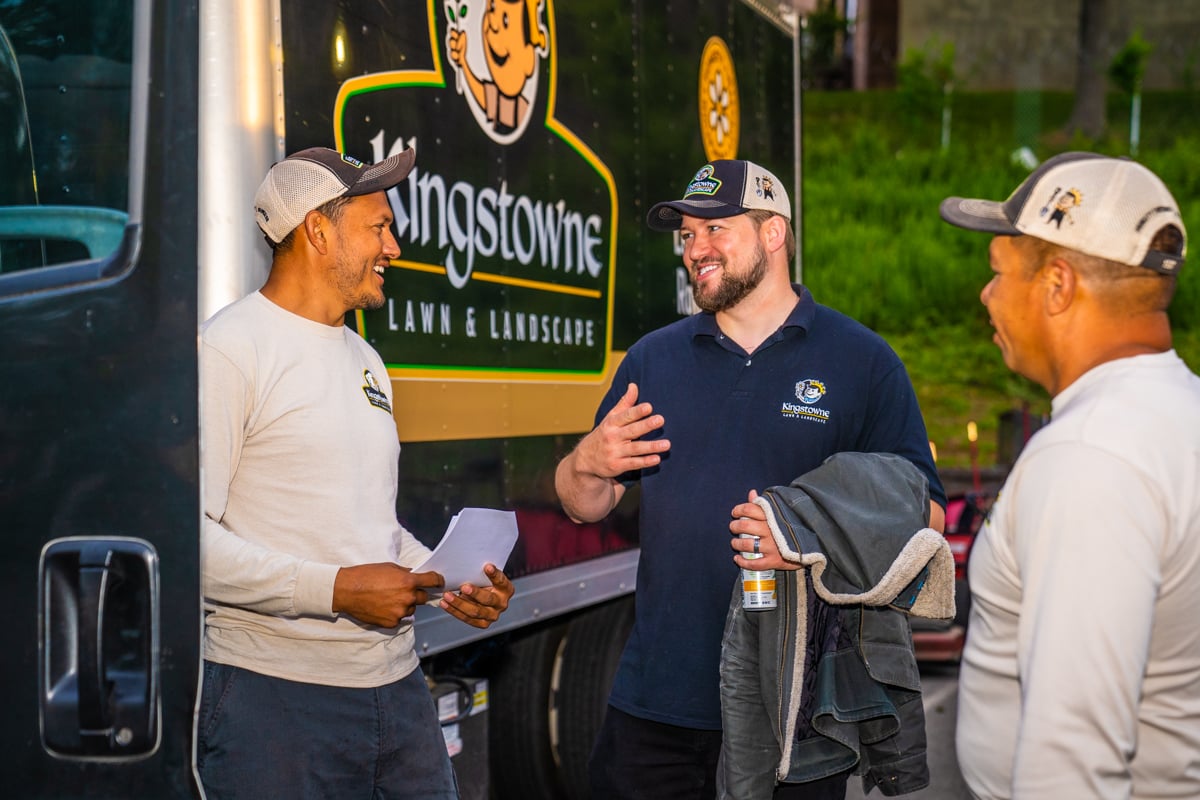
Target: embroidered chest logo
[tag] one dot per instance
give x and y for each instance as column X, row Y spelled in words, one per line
column 809, row 392
column 374, row 393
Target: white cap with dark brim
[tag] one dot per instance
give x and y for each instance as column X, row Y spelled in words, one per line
column 1107, row 207
column 311, row 178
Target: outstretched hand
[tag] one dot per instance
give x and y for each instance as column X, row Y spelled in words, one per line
column 615, row 446
column 587, row 479
column 478, row 606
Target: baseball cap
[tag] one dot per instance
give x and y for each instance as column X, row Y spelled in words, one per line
column 1106, row 207
column 310, row 178
column 723, row 188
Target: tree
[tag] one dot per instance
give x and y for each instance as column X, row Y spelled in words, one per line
column 1089, row 114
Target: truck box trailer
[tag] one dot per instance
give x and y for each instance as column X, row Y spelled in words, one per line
column 134, row 135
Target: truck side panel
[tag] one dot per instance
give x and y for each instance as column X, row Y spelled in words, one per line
column 136, row 129
column 526, row 267
column 99, row 478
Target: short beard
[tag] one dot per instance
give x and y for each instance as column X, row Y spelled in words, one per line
column 733, row 288
column 349, row 283
column 370, row 302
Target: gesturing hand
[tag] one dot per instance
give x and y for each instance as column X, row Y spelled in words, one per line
column 381, row 594
column 615, row 446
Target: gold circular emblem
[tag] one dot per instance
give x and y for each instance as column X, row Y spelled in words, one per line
column 720, row 111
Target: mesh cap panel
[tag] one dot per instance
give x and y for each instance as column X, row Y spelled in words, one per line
column 307, row 180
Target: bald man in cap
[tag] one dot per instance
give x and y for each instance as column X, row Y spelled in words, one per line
column 1081, row 673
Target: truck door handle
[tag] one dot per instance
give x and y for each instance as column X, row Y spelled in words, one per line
column 98, row 647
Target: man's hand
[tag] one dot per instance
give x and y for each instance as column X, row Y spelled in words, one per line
column 586, row 480
column 480, row 607
column 750, row 518
column 615, row 446
column 381, row 594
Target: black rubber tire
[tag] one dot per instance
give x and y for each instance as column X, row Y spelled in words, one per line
column 521, row 758
column 595, row 639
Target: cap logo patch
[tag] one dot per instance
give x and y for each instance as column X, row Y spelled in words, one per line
column 1062, row 206
column 703, row 182
column 764, row 187
column 352, row 161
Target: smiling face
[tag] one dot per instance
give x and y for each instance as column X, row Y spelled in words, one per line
column 511, row 58
column 725, row 259
column 1014, row 307
column 364, row 247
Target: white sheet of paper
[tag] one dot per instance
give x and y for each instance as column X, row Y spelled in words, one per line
column 474, row 537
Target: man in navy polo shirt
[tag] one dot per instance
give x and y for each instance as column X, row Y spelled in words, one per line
column 758, row 389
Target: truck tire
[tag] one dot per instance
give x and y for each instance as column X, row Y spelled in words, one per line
column 521, row 756
column 593, row 645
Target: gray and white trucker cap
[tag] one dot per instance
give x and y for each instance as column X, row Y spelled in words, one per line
column 311, row 178
column 1106, row 207
column 723, row 188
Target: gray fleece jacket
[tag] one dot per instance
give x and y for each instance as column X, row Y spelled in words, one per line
column 828, row 680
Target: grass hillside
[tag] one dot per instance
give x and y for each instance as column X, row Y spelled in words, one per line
column 874, row 173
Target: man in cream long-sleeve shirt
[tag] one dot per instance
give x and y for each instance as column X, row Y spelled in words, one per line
column 311, row 685
column 1081, row 673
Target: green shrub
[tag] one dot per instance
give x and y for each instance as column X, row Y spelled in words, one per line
column 875, row 247
column 873, row 242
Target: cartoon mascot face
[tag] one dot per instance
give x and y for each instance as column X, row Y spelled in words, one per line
column 810, row 391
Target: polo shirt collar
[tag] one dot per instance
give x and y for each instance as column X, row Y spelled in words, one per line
column 801, row 316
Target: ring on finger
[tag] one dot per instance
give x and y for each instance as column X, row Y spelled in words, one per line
column 756, row 544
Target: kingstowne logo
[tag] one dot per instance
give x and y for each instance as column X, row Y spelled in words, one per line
column 703, row 182
column 373, row 391
column 494, row 48
column 797, row 411
column 808, row 392
column 507, row 224
column 492, row 221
